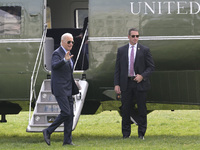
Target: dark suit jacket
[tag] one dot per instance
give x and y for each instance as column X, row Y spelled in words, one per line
column 62, row 81
column 143, row 65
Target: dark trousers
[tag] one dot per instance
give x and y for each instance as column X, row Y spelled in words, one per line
column 66, row 116
column 128, row 104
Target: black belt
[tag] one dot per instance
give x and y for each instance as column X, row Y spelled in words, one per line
column 131, row 78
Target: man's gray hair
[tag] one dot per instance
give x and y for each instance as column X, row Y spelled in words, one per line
column 66, row 35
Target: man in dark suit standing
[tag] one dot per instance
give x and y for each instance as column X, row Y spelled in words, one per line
column 134, row 65
column 63, row 87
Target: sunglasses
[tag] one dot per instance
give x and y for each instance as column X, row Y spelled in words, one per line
column 68, row 42
column 137, row 36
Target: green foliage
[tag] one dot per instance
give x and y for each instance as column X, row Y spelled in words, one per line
column 166, row 130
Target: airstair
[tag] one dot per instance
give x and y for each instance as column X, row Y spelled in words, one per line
column 47, row 109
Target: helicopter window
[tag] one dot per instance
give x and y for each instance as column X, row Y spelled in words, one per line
column 80, row 15
column 81, row 21
column 10, row 20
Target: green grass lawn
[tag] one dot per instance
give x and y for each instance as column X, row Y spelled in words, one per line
column 166, row 130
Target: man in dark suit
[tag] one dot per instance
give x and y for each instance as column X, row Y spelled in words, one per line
column 63, row 87
column 134, row 65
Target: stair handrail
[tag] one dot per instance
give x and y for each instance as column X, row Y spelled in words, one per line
column 79, row 52
column 36, row 69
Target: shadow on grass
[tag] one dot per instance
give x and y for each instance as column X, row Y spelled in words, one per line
column 58, row 137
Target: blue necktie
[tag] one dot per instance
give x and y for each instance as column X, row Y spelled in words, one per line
column 71, row 62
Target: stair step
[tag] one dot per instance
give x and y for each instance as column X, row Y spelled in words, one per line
column 44, row 118
column 47, row 103
column 39, row 114
column 43, row 125
column 47, row 96
column 48, row 108
column 47, row 84
column 39, row 128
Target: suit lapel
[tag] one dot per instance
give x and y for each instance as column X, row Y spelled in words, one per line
column 62, row 52
column 137, row 54
column 126, row 55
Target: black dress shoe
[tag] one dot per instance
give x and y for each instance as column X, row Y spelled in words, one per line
column 141, row 137
column 65, row 144
column 126, row 137
column 46, row 136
